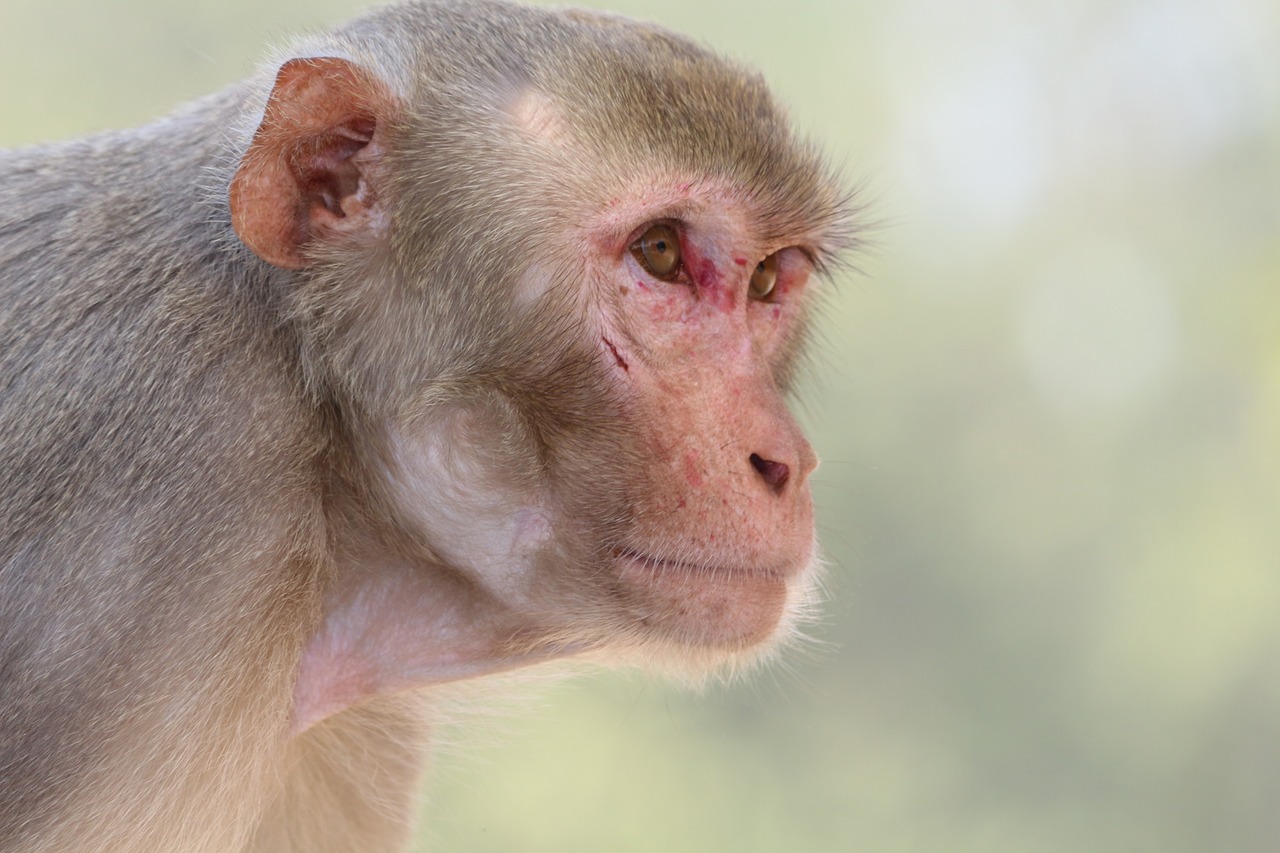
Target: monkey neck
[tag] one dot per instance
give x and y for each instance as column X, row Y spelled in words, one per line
column 389, row 624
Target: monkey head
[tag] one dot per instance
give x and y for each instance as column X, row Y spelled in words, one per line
column 556, row 277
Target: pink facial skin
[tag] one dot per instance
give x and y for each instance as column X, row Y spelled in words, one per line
column 718, row 538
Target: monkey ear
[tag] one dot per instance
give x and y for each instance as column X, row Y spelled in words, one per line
column 309, row 175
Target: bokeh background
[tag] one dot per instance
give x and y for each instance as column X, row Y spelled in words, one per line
column 1049, row 409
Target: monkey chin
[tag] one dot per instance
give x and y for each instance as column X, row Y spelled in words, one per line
column 699, row 623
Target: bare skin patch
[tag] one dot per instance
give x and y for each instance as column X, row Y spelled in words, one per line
column 537, row 115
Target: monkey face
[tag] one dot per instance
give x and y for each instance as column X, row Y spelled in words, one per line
column 698, row 314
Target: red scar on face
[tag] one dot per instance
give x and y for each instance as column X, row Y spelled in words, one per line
column 706, row 275
column 616, row 355
column 708, row 279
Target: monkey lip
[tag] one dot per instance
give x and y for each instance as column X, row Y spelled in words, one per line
column 631, row 559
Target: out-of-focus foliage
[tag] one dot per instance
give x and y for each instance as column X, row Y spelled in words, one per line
column 1049, row 413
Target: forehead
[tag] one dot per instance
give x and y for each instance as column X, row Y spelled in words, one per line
column 640, row 107
column 637, row 93
column 553, row 110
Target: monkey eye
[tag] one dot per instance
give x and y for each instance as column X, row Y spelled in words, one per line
column 764, row 278
column 658, row 251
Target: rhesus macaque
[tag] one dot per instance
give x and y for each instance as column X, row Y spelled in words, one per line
column 455, row 342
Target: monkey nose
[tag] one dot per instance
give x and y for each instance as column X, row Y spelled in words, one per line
column 774, row 474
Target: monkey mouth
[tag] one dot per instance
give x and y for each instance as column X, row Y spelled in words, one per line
column 630, row 559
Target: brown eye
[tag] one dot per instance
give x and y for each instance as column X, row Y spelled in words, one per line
column 658, row 251
column 764, row 278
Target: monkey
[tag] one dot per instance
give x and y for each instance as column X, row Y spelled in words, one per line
column 457, row 340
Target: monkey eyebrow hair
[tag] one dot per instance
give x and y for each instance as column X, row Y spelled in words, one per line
column 829, row 243
column 621, row 232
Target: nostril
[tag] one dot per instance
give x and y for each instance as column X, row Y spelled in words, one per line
column 773, row 473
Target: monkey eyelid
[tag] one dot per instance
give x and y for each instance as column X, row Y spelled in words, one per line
column 815, row 257
column 674, row 217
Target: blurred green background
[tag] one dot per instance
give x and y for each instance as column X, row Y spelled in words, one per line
column 1049, row 411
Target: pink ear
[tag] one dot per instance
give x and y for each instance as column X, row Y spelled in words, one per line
column 310, row 172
